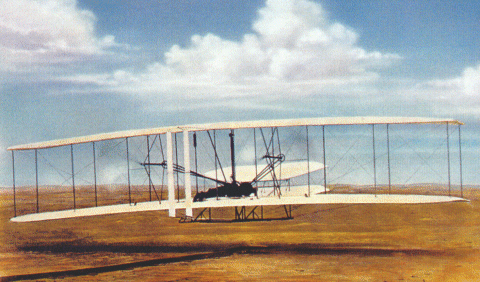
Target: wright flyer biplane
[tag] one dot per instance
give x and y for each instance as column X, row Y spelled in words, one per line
column 245, row 165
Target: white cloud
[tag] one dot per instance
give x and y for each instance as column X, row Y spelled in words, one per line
column 47, row 31
column 471, row 81
column 294, row 41
column 453, row 95
column 295, row 50
column 468, row 84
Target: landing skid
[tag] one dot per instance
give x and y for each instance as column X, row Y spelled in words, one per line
column 201, row 217
column 241, row 215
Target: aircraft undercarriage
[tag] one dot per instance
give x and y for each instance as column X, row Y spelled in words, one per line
column 256, row 213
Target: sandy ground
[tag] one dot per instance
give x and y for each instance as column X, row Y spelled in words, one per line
column 435, row 242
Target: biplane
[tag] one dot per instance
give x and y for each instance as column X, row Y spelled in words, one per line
column 266, row 181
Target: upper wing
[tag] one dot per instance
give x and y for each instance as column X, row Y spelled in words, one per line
column 234, row 125
column 284, row 171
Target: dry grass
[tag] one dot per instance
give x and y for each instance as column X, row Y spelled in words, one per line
column 435, row 242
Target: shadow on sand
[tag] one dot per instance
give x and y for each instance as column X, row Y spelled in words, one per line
column 198, row 252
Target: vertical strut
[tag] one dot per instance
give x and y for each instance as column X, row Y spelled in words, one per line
column 460, row 156
column 272, row 140
column 196, row 163
column 176, row 163
column 95, row 173
column 149, row 169
column 128, row 173
column 36, row 177
column 448, row 160
column 13, row 176
column 324, row 161
column 374, row 160
column 255, row 160
column 216, row 158
column 170, row 177
column 73, row 177
column 308, row 162
column 188, row 184
column 232, row 154
column 163, row 171
column 279, row 153
column 388, row 161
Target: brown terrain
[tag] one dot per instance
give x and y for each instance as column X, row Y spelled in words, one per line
column 431, row 242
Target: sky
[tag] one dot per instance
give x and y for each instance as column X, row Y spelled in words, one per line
column 79, row 67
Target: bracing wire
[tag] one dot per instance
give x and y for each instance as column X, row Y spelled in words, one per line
column 424, row 160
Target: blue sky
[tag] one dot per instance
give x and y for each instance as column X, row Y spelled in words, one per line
column 70, row 68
